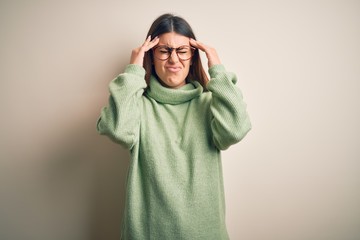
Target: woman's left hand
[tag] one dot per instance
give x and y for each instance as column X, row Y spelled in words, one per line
column 210, row 52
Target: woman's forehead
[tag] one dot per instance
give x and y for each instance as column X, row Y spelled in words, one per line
column 173, row 39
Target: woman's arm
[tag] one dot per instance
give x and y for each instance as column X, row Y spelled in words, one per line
column 120, row 120
column 230, row 121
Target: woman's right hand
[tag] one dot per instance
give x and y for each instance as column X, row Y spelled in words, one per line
column 137, row 54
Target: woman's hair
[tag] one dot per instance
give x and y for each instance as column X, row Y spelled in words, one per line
column 170, row 23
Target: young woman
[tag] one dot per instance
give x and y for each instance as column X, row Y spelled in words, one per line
column 174, row 121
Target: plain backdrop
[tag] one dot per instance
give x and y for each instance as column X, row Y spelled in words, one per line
column 296, row 176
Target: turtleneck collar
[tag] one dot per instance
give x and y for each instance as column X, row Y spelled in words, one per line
column 173, row 96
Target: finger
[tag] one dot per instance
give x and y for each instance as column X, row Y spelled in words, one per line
column 197, row 44
column 147, row 44
column 193, row 42
column 147, row 40
column 152, row 43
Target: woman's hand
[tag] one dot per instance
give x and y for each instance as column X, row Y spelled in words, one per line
column 210, row 52
column 137, row 54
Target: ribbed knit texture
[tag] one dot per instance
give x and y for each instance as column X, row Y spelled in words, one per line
column 175, row 182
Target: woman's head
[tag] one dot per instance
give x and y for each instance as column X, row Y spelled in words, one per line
column 169, row 60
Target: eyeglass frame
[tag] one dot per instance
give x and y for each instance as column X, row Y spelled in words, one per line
column 171, row 49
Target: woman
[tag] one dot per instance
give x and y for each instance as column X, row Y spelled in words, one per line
column 174, row 123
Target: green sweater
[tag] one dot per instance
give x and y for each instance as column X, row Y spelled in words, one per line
column 175, row 181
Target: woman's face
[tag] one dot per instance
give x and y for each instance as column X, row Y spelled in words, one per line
column 173, row 71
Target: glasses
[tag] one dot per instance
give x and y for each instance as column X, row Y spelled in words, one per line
column 164, row 52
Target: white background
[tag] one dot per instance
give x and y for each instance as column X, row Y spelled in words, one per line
column 294, row 177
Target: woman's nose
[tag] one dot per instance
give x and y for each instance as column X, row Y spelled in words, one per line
column 173, row 57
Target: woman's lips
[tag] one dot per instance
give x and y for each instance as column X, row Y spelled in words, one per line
column 173, row 69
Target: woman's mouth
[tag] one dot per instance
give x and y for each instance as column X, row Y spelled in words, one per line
column 173, row 69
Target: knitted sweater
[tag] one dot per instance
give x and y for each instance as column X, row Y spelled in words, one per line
column 175, row 181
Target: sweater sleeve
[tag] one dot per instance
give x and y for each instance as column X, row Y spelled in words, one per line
column 120, row 120
column 230, row 122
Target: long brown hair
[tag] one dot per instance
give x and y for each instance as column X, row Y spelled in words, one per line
column 171, row 23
